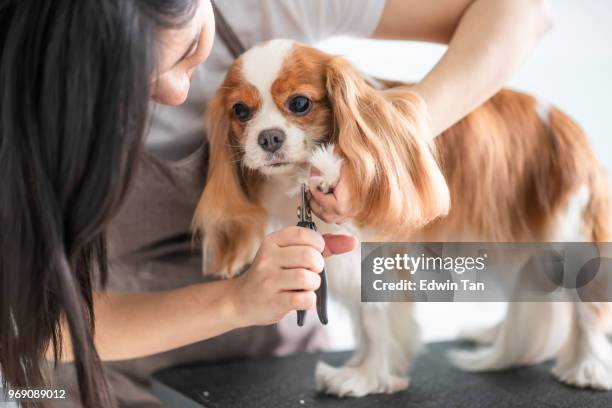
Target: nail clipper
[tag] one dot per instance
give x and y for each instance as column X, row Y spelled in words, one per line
column 305, row 220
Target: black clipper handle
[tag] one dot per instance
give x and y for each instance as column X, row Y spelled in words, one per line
column 321, row 292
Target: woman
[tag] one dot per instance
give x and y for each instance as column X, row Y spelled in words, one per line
column 75, row 93
column 75, row 80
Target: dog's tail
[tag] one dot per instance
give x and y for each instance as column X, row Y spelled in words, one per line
column 531, row 333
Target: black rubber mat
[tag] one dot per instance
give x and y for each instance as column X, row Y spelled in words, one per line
column 289, row 382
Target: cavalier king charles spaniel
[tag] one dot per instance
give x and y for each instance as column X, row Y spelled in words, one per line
column 514, row 170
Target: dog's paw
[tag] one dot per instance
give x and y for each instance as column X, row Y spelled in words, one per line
column 356, row 381
column 586, row 373
column 329, row 166
column 321, row 184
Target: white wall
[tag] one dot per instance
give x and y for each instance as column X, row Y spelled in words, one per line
column 572, row 69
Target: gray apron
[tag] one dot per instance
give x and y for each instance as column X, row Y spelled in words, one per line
column 151, row 249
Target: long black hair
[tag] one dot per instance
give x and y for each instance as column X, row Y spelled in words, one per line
column 74, row 90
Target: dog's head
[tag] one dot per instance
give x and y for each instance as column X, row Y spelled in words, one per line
column 278, row 103
column 275, row 104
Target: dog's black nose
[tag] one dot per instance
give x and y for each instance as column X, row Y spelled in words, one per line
column 271, row 139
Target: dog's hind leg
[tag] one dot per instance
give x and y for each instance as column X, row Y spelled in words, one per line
column 586, row 358
column 574, row 332
column 547, row 323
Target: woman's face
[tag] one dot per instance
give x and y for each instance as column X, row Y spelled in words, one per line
column 181, row 51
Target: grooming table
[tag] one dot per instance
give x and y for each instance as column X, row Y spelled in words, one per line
column 289, row 382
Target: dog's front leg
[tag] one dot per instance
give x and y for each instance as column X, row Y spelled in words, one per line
column 387, row 345
column 387, row 338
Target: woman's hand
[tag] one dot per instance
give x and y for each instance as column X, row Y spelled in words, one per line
column 284, row 274
column 335, row 207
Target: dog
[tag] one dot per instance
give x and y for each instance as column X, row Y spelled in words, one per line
column 514, row 170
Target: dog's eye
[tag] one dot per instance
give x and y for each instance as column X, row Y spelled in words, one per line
column 241, row 112
column 300, row 105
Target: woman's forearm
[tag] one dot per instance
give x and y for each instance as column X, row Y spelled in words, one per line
column 132, row 325
column 492, row 40
column 489, row 40
column 282, row 278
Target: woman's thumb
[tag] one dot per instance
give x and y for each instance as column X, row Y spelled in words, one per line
column 336, row 244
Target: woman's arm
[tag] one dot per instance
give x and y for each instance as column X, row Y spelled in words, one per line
column 132, row 325
column 487, row 41
column 282, row 278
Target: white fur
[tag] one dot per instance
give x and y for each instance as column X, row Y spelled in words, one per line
column 570, row 226
column 329, row 164
column 261, row 64
column 542, row 108
column 325, row 160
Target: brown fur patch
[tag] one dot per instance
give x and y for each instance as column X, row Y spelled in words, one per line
column 303, row 73
column 510, row 174
column 237, row 90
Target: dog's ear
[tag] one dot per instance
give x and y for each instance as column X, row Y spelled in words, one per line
column 228, row 218
column 382, row 135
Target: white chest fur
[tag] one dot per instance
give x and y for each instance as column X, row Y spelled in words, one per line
column 282, row 208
